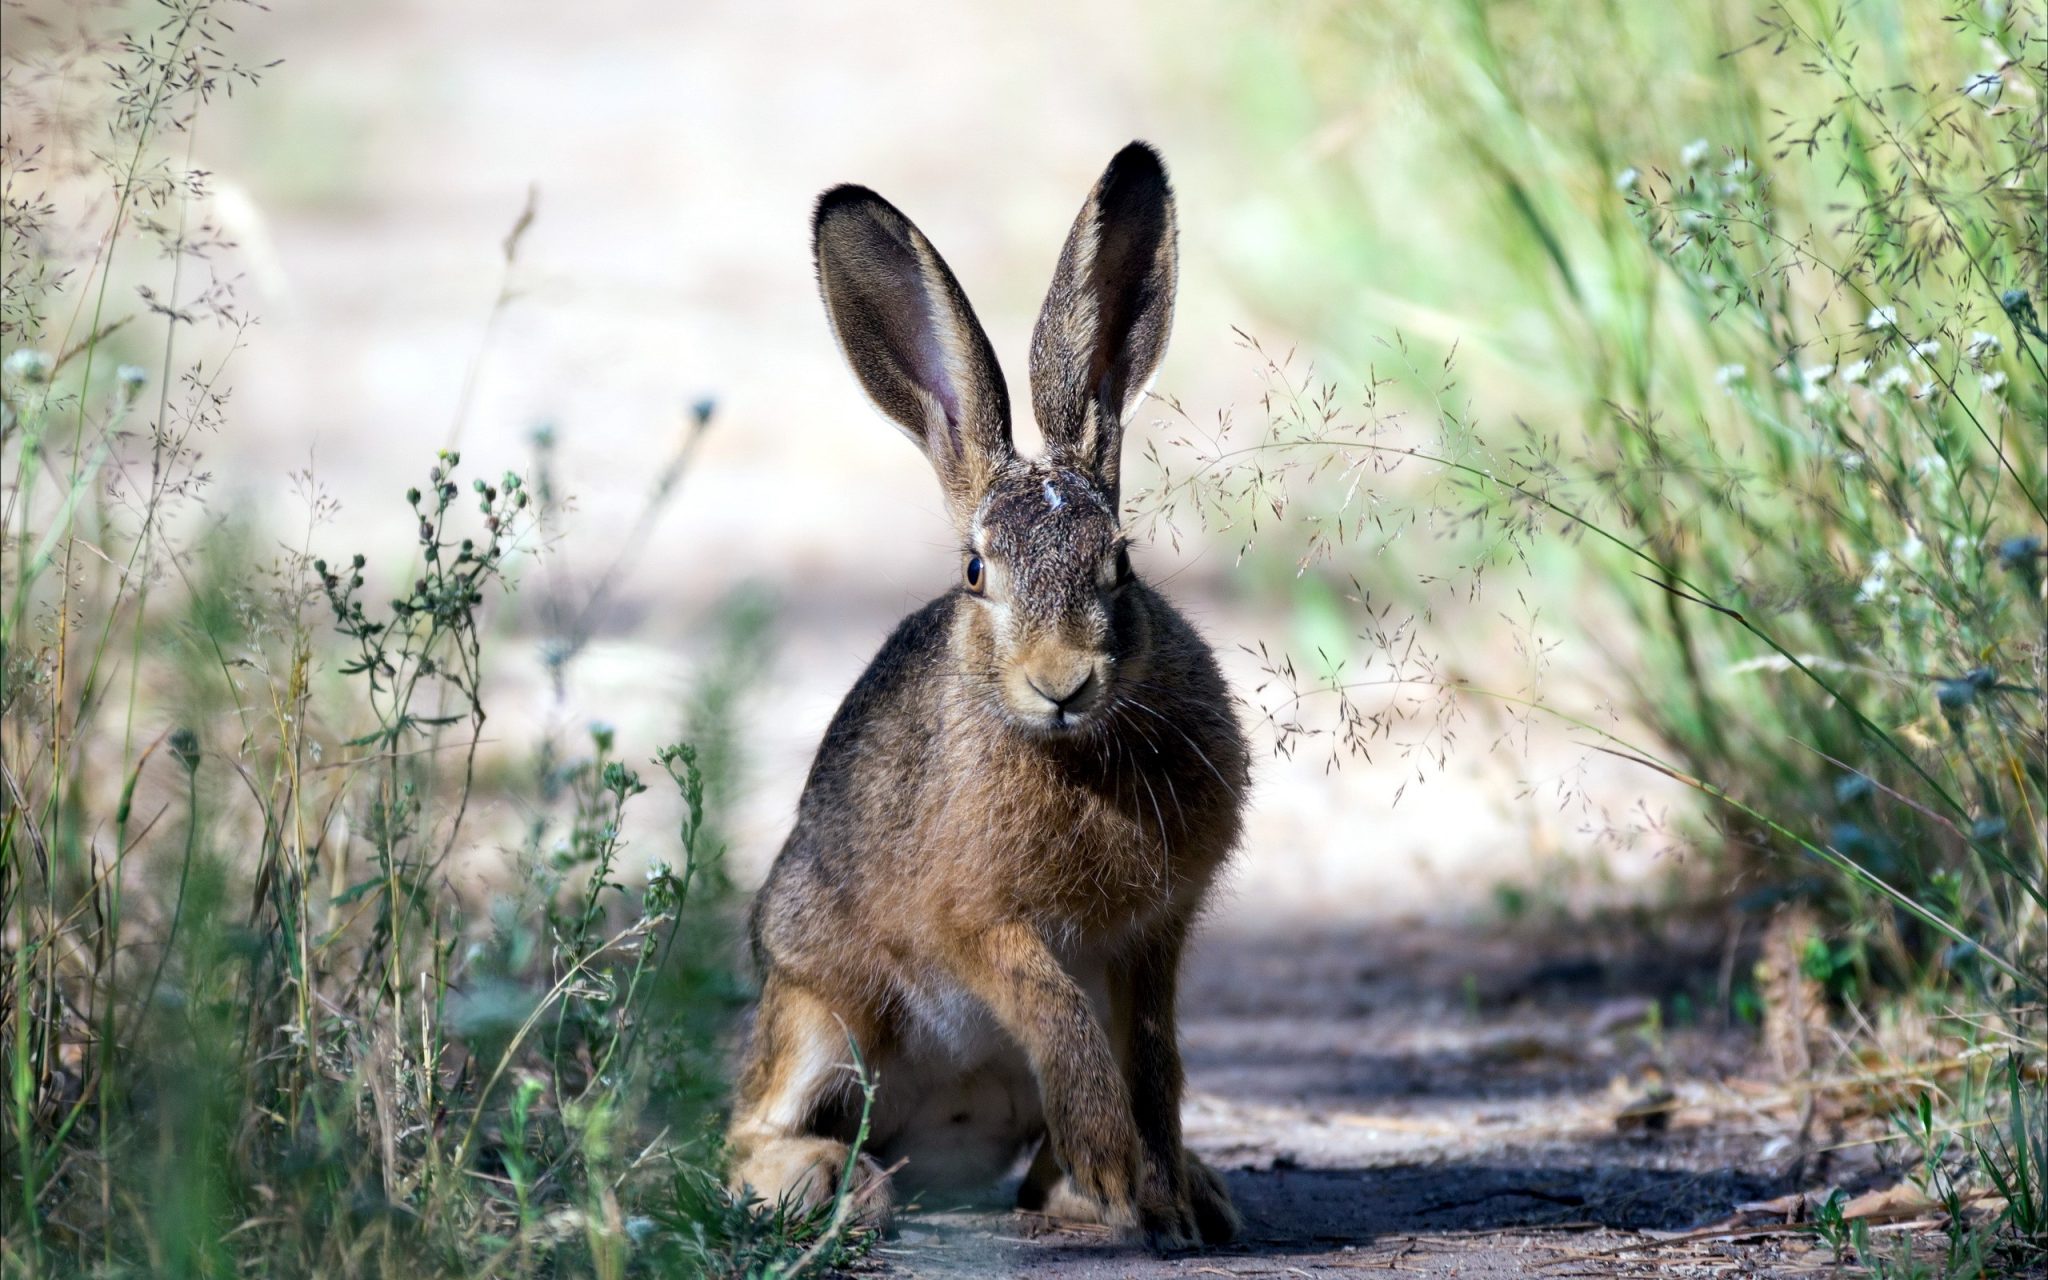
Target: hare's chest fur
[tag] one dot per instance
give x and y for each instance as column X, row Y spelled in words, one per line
column 1095, row 850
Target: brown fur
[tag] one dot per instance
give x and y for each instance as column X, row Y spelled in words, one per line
column 1015, row 815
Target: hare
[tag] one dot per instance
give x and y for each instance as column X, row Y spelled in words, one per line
column 1015, row 815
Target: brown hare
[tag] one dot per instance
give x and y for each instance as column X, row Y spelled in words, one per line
column 1014, row 817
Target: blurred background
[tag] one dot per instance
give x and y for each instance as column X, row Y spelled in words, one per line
column 671, row 154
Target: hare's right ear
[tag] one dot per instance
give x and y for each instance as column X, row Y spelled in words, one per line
column 912, row 340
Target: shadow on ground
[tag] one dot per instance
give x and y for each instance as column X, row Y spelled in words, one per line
column 1439, row 1100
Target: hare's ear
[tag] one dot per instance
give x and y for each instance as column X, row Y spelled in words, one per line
column 1103, row 329
column 912, row 340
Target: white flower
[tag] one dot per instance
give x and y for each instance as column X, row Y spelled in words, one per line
column 1928, row 390
column 1626, row 180
column 1856, row 372
column 1695, row 153
column 1983, row 345
column 1810, row 378
column 1911, row 548
column 1985, row 86
column 1881, row 561
column 1891, row 379
column 1872, row 588
column 1736, row 168
column 1922, row 350
column 1730, row 374
column 1882, row 318
column 1930, row 464
column 28, row 364
column 1853, row 461
column 1994, row 381
column 1959, row 546
column 131, row 377
column 656, row 870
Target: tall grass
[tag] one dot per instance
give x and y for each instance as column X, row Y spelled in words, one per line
column 248, row 1025
column 1758, row 290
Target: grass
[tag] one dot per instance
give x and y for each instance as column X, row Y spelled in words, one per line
column 248, row 1025
column 1756, row 289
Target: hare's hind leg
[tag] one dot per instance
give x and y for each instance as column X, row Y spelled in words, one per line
column 799, row 1073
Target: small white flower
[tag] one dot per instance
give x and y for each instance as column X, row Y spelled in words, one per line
column 1856, row 372
column 1930, row 464
column 1737, row 167
column 1994, row 381
column 1922, row 350
column 1810, row 380
column 1928, row 390
column 1730, row 374
column 1853, row 461
column 1881, row 560
column 1695, row 153
column 28, row 364
column 1882, row 318
column 1626, row 180
column 1959, row 546
column 1872, row 588
column 1985, row 86
column 656, row 870
column 1912, row 547
column 131, row 377
column 1891, row 379
column 1983, row 345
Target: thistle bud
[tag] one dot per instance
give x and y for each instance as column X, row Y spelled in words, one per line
column 185, row 749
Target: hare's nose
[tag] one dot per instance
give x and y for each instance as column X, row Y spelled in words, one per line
column 1077, row 689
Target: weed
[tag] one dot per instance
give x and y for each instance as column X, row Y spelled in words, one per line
column 248, row 1024
column 1775, row 370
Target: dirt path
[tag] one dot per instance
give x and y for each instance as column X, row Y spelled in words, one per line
column 1437, row 1102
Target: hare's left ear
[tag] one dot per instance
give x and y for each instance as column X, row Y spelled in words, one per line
column 1105, row 321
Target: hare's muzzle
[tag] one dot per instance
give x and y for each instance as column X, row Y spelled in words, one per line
column 1057, row 690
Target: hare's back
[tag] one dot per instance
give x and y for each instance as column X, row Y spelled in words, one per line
column 864, row 786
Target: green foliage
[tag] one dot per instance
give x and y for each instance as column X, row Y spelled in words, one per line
column 1757, row 286
column 1802, row 399
column 249, row 1025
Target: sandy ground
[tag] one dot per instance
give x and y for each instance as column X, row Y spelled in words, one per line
column 1440, row 1101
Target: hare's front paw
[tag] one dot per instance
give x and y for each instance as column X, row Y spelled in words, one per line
column 1216, row 1219
column 1185, row 1205
column 803, row 1175
column 1066, row 1201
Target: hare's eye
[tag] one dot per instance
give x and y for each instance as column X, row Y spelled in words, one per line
column 977, row 574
